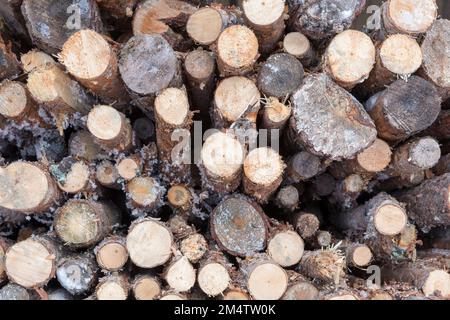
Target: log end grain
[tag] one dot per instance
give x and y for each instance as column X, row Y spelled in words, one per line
column 14, row 100
column 144, row 192
column 401, row 54
column 213, row 279
column 390, row 219
column 172, row 106
column 376, row 157
column 112, row 254
column 411, row 17
column 71, row 175
column 286, row 248
column 180, row 275
column 267, row 281
column 296, row 44
column 105, row 122
column 205, row 26
column 146, row 288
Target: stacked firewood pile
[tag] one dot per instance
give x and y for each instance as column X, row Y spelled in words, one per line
column 327, row 177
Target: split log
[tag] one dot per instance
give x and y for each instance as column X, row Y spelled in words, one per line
column 107, row 175
column 285, row 246
column 9, row 65
column 237, row 51
column 349, row 58
column 72, row 176
column 27, row 187
column 83, row 146
column 266, row 18
column 84, row 223
column 312, row 120
column 111, row 253
column 32, row 263
column 89, row 57
column 146, row 287
column 298, row 45
column 287, row 198
column 405, row 108
column 112, row 287
column 77, row 273
column 429, row 203
column 239, row 226
column 205, row 25
column 149, row 243
column 180, row 275
column 213, row 274
column 144, row 193
column 110, row 128
column 326, row 266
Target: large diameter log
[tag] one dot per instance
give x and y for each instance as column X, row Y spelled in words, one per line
column 237, row 51
column 266, row 18
column 429, row 203
column 27, row 187
column 77, row 273
column 9, row 65
column 50, row 23
column 320, row 107
column 350, row 58
column 405, row 108
column 83, row 223
column 436, row 56
column 239, row 226
column 89, row 57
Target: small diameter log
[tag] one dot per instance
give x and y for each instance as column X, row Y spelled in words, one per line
column 161, row 17
column 436, row 59
column 358, row 255
column 222, row 156
column 275, row 115
column 83, row 146
column 213, row 275
column 429, row 203
column 61, row 19
column 35, row 59
column 263, row 173
column 205, row 25
column 9, row 65
column 280, row 75
column 147, row 65
column 180, row 198
column 440, row 129
column 347, row 191
column 302, row 166
column 326, row 266
column 405, row 108
column 83, row 223
column 321, row 239
column 194, row 247
column 320, row 107
column 296, row 44
column 412, row 17
column 199, row 68
column 180, row 275
column 305, row 223
column 239, row 226
column 173, row 121
column 237, row 51
column 398, row 56
column 235, row 98
column 72, row 176
column 27, row 187
column 13, row 291
column 266, row 18
column 323, row 185
column 77, row 273
column 350, row 58
column 146, row 287
column 321, row 19
column 416, row 155
column 89, row 57
column 111, row 253
column 107, row 175
column 149, row 243
column 110, row 128
column 265, row 279
column 144, row 193
column 32, row 263
column 431, row 280
column 287, row 198
column 130, row 167
column 112, row 287
column 285, row 246
column 144, row 129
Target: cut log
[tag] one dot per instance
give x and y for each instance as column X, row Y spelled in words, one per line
column 213, row 276
column 280, row 75
column 239, row 226
column 180, row 198
column 89, row 57
column 72, row 176
column 171, row 295
column 347, row 191
column 320, row 240
column 301, row 290
column 358, row 255
column 266, row 18
column 27, row 187
column 371, row 160
column 405, row 108
column 287, row 198
column 9, row 65
column 205, row 25
column 302, row 166
column 237, row 51
column 36, row 59
column 326, row 266
column 112, row 287
column 130, row 167
column 285, row 246
column 429, row 203
column 110, row 128
column 121, row 9
column 235, row 294
column 146, row 287
column 13, row 291
column 296, row 44
column 83, row 223
column 349, row 58
column 275, row 116
column 305, row 223
column 107, row 175
column 77, row 273
column 144, row 193
column 443, row 165
column 440, row 129
column 149, row 243
column 319, row 107
column 194, row 247
column 83, row 146
column 111, row 253
column 180, row 275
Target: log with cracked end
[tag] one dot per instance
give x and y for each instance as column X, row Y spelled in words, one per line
column 222, row 156
column 213, row 274
column 298, row 45
column 266, row 18
column 27, row 187
column 239, row 226
column 93, row 61
column 146, row 287
column 349, row 58
column 319, row 107
column 144, row 193
column 237, row 51
column 110, row 128
column 180, row 275
column 235, row 97
column 113, row 287
column 111, row 254
column 149, row 243
column 326, row 266
column 285, row 246
column 263, row 173
column 72, row 176
column 107, row 175
column 405, row 108
column 84, row 223
column 77, row 273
